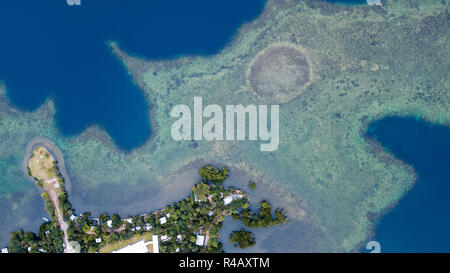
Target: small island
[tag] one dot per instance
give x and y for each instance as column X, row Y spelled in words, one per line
column 242, row 238
column 190, row 225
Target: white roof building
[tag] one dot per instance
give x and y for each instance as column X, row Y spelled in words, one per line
column 148, row 226
column 162, row 220
column 138, row 228
column 164, row 238
column 155, row 244
column 72, row 217
column 141, row 246
column 129, row 220
column 227, row 200
column 5, row 250
column 179, row 237
column 211, row 213
column 200, row 240
column 98, row 240
column 109, row 223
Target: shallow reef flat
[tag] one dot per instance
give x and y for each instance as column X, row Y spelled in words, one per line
column 360, row 63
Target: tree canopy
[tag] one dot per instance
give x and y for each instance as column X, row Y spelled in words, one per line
column 201, row 190
column 242, row 238
column 213, row 174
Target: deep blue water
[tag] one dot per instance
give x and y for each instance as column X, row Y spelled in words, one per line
column 51, row 49
column 421, row 221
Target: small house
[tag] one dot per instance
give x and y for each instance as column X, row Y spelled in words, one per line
column 164, row 238
column 200, row 240
column 227, row 200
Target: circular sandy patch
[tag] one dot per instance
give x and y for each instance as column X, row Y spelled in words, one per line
column 280, row 73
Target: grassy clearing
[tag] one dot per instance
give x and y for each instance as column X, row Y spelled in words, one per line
column 41, row 164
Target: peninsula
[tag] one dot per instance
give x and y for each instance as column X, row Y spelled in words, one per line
column 44, row 169
column 190, row 225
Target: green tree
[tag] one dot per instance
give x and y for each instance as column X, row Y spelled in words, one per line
column 116, row 221
column 242, row 238
column 201, row 190
column 103, row 217
column 212, row 174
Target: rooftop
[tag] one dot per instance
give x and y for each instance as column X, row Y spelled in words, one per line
column 138, row 247
column 200, row 240
column 164, row 238
column 228, row 200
